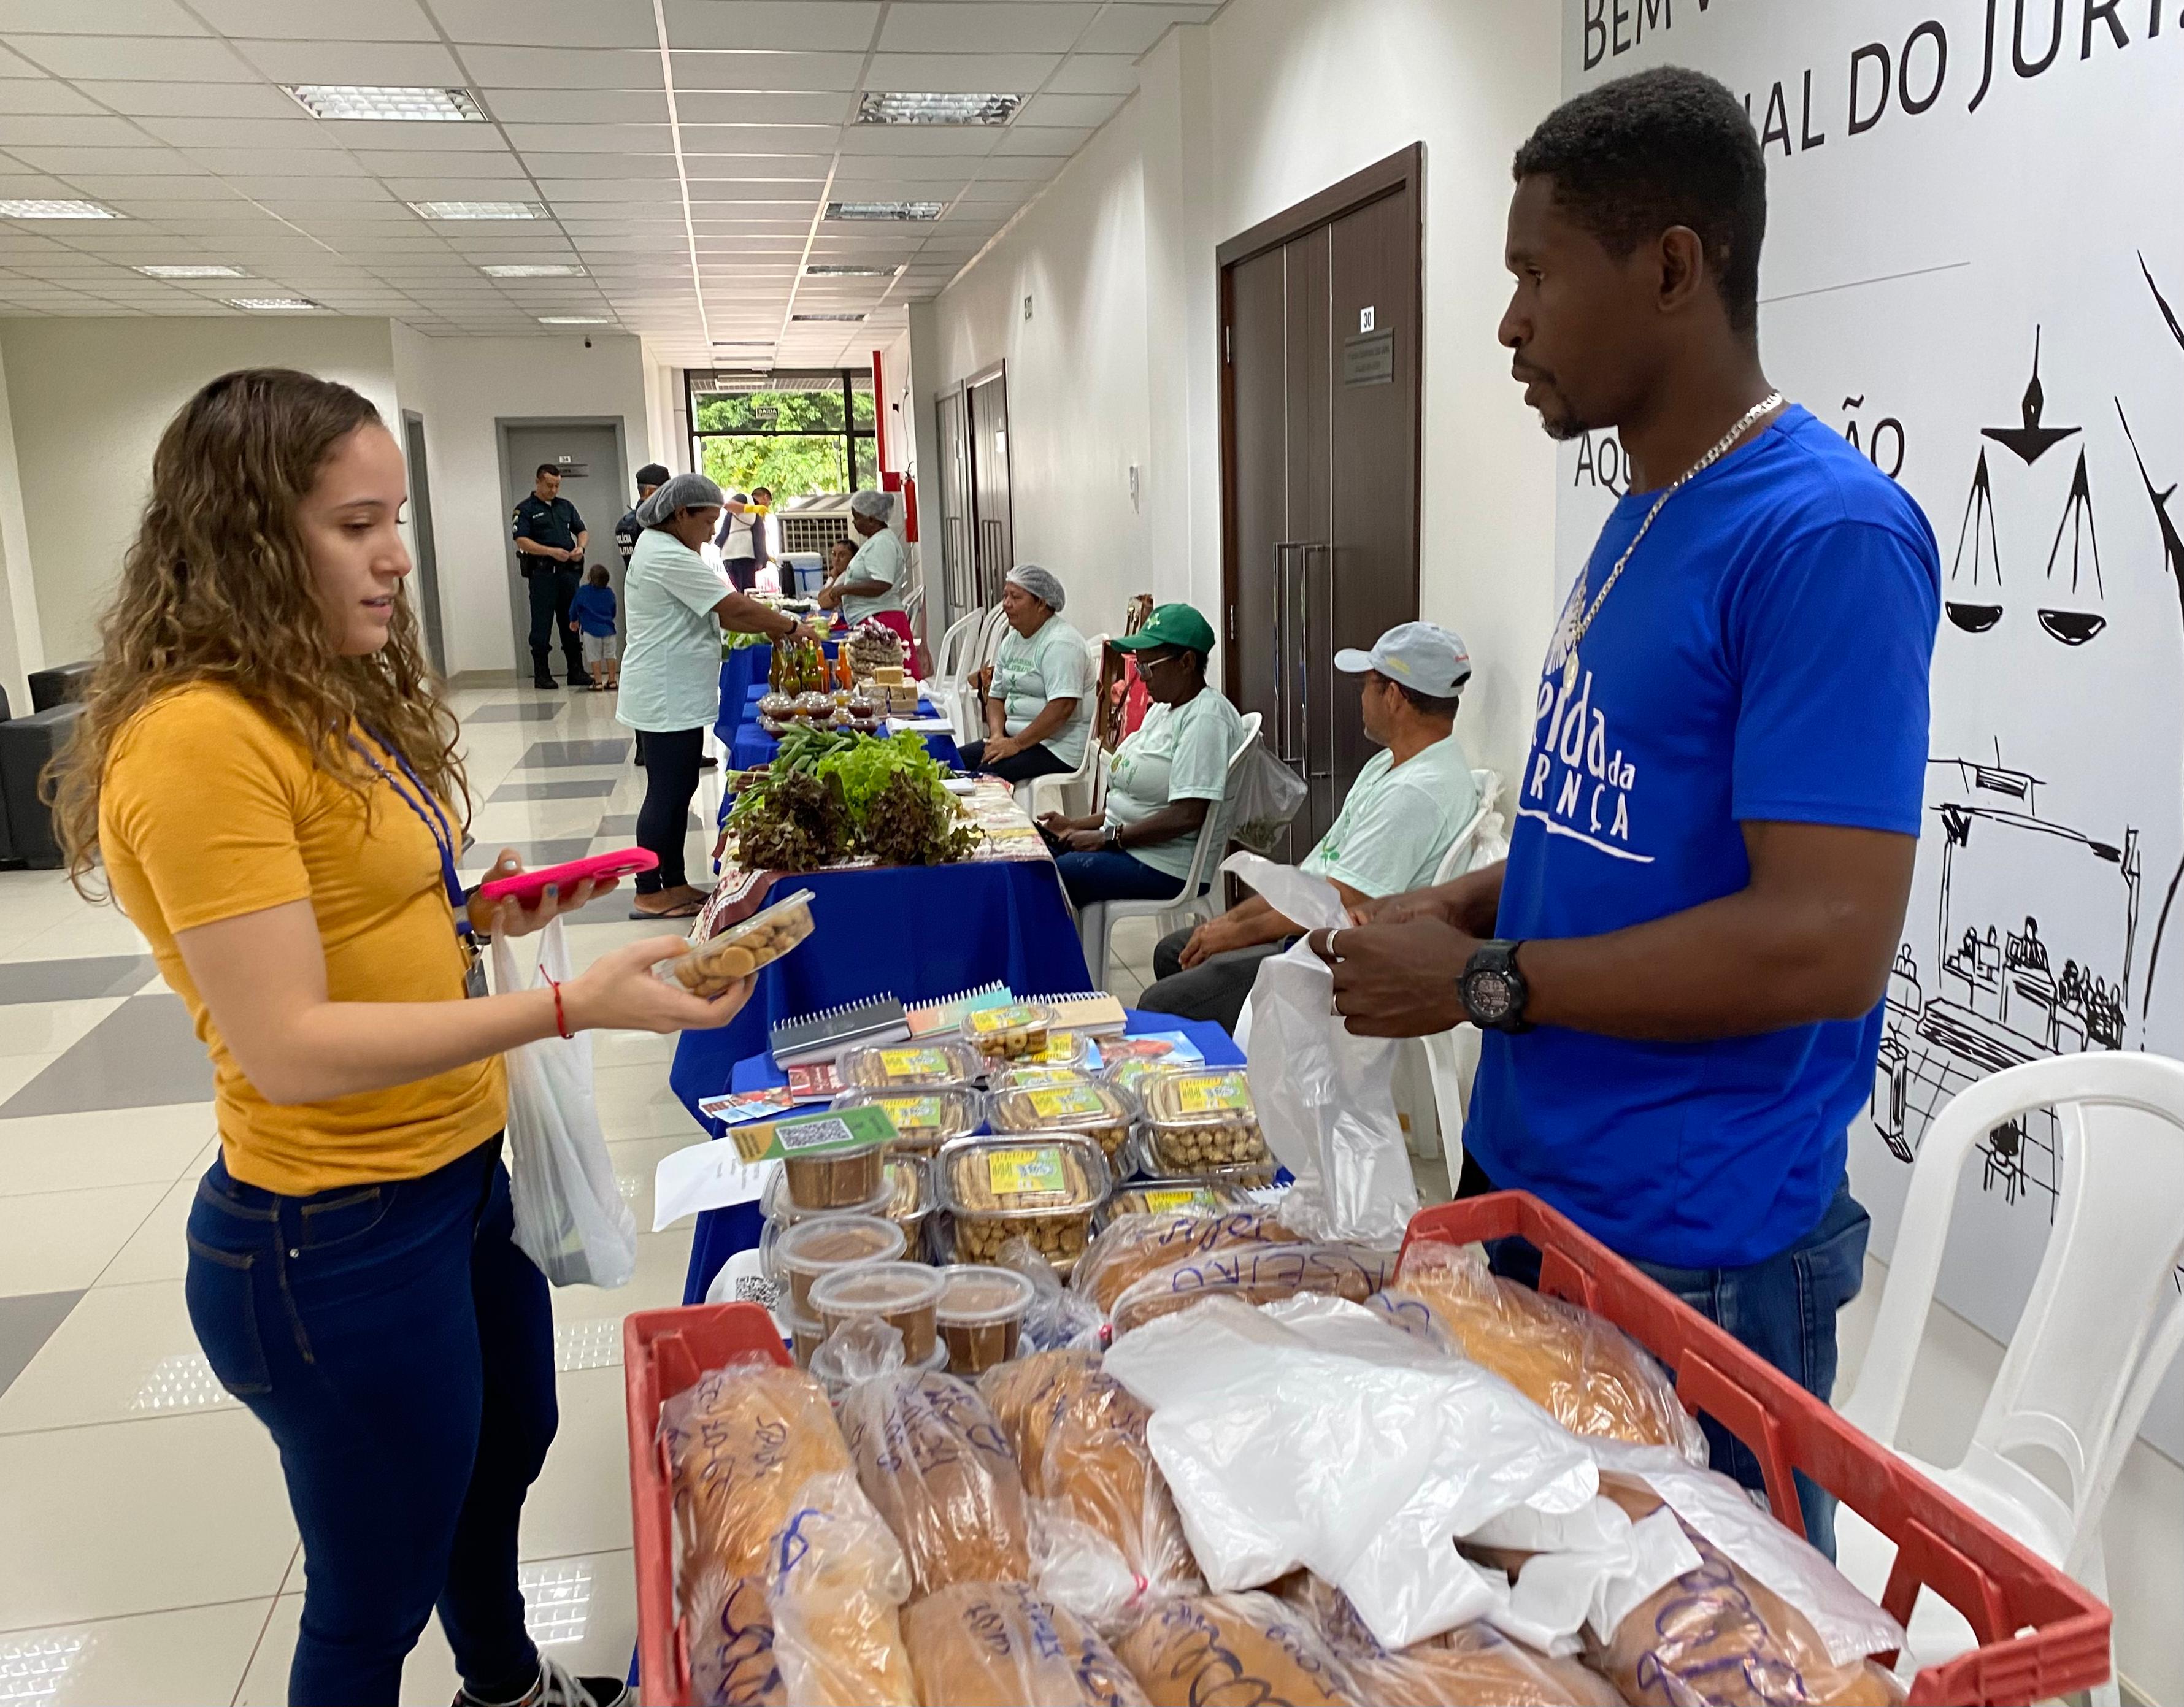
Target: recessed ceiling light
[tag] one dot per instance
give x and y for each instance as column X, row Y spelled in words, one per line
column 39, row 208
column 258, row 302
column 826, row 317
column 558, row 270
column 894, row 107
column 884, row 210
column 574, row 320
column 827, row 272
column 193, row 272
column 376, row 101
column 478, row 210
column 743, row 343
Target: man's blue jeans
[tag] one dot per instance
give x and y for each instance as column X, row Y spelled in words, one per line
column 400, row 1349
column 1783, row 1309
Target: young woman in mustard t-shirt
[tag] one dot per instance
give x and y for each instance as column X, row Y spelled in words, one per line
column 273, row 791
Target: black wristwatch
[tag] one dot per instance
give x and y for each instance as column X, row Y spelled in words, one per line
column 1493, row 990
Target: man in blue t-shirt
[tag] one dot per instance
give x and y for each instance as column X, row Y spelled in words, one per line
column 1679, row 969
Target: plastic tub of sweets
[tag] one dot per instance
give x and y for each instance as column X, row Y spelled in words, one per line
column 1009, row 1033
column 1202, row 1120
column 1042, row 1188
column 980, row 1314
column 1100, row 1112
column 923, row 1119
column 904, row 1295
column 782, row 1211
column 712, row 967
column 810, row 1250
column 843, row 1177
column 935, row 1066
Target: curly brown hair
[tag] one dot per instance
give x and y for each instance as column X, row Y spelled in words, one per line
column 218, row 588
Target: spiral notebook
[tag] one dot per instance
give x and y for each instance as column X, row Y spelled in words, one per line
column 930, row 1019
column 826, row 1035
column 1092, row 1011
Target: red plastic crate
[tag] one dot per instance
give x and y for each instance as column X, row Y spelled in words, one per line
column 664, row 1351
column 2041, row 1634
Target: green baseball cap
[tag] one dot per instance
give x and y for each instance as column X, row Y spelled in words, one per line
column 1171, row 624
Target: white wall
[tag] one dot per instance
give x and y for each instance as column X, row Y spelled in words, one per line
column 462, row 387
column 1234, row 122
column 89, row 399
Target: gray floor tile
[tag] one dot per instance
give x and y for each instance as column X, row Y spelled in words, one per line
column 74, row 980
column 528, row 711
column 574, row 789
column 623, row 824
column 27, row 1321
column 554, row 752
column 143, row 1054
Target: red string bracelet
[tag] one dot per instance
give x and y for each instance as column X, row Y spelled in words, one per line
column 561, row 1015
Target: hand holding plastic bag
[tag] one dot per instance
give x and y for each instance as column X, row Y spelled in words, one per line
column 570, row 1219
column 1326, row 1099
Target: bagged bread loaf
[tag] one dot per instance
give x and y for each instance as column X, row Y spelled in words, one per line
column 742, row 1441
column 1000, row 1644
column 1254, row 1274
column 1718, row 1635
column 1475, row 1662
column 1589, row 1376
column 834, row 1586
column 1079, row 1439
column 1211, row 1649
column 933, row 1460
column 729, row 1628
column 1132, row 1247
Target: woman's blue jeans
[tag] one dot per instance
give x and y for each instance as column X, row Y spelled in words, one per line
column 400, row 1349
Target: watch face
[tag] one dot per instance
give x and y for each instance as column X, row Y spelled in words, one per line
column 1486, row 992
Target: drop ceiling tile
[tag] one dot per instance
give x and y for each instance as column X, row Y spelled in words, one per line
column 1133, row 29
column 842, row 25
column 319, row 20
column 757, row 169
column 1026, row 169
column 234, row 211
column 451, row 187
column 764, row 106
column 1080, row 111
column 482, row 163
column 394, row 63
column 297, row 131
column 1000, row 73
column 1055, row 139
column 1095, row 74
column 785, row 72
column 191, row 100
column 978, row 27
column 926, row 177
column 279, row 192
column 313, row 163
column 760, row 139
column 563, row 68
column 597, row 139
column 544, row 166
column 64, row 161
column 558, row 190
column 100, row 131
column 28, row 94
column 380, row 137
column 567, row 23
column 575, row 108
column 105, row 18
column 925, row 140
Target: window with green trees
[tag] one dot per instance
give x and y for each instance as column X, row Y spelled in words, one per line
column 796, row 434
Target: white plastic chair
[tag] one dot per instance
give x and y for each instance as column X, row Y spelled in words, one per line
column 2103, row 1323
column 1450, row 1054
column 947, row 656
column 1095, row 921
column 1071, row 792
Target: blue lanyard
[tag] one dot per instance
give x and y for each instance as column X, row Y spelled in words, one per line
column 434, row 820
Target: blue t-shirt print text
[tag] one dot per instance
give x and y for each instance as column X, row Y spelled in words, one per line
column 1763, row 659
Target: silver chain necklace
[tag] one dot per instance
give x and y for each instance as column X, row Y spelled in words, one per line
column 1577, row 615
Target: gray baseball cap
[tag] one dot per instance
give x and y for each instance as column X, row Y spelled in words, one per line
column 1422, row 656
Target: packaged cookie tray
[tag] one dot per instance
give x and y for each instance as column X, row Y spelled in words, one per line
column 1201, row 1120
column 1100, row 1112
column 945, row 1065
column 1043, row 1188
column 924, row 1119
column 1204, row 1196
column 1012, row 1032
column 712, row 966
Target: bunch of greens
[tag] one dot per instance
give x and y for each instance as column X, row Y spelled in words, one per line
column 830, row 795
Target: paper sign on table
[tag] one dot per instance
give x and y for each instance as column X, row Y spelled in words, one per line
column 841, row 1129
column 736, row 1107
column 710, row 1176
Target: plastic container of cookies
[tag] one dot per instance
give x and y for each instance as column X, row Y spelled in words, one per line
column 808, row 1251
column 981, row 1315
column 1042, row 1187
column 904, row 1295
column 909, row 1200
column 1100, row 1112
column 712, row 966
column 1206, row 1197
column 1202, row 1121
column 935, row 1066
column 923, row 1119
column 1011, row 1033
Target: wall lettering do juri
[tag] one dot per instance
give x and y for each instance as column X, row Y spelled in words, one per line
column 2020, row 39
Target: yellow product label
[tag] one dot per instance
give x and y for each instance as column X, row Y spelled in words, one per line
column 1063, row 1102
column 1017, row 1173
column 912, row 1112
column 1219, row 1094
column 1045, row 1075
column 987, row 1022
column 912, row 1063
column 1163, row 1203
column 1061, row 1047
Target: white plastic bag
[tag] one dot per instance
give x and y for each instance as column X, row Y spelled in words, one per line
column 1268, row 794
column 1326, row 1099
column 570, row 1216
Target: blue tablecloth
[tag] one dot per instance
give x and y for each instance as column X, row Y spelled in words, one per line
column 720, row 1233
column 751, row 747
column 742, row 679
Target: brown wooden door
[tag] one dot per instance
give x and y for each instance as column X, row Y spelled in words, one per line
column 994, row 538
column 1320, row 405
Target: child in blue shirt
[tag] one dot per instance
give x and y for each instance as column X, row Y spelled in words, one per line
column 591, row 616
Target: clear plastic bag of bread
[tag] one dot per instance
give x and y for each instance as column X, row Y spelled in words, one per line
column 1717, row 1634
column 1256, row 1274
column 1475, row 1662
column 930, row 1456
column 1131, row 1247
column 834, row 1584
column 1234, row 1650
column 1588, row 1374
column 1108, row 1534
column 729, row 1629
column 1058, row 1316
column 1003, row 1644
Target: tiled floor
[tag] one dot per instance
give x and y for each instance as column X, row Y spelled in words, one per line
column 145, row 1549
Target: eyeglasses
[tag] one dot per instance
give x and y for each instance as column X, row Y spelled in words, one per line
column 1147, row 661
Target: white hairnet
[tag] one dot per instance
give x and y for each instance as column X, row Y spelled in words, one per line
column 876, row 506
column 684, row 491
column 1041, row 584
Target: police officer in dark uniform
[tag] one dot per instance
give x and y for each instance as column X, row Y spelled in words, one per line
column 550, row 550
column 650, row 479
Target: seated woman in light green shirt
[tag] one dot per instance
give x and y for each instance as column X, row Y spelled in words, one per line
column 1038, row 709
column 1168, row 779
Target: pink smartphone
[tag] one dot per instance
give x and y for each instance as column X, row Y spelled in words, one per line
column 528, row 886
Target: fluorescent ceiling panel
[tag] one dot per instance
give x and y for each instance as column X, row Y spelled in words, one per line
column 376, row 102
column 884, row 210
column 903, row 107
column 523, row 269
column 187, row 270
column 478, row 210
column 41, row 208
column 258, row 304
